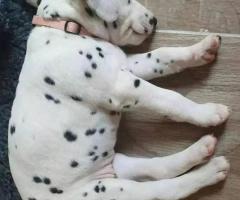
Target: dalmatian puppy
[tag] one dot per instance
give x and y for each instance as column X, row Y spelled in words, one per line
column 72, row 91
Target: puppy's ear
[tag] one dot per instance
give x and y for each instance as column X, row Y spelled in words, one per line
column 34, row 3
column 108, row 10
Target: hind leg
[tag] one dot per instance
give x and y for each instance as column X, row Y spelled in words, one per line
column 171, row 189
column 165, row 167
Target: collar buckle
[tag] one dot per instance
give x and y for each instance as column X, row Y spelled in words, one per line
column 78, row 29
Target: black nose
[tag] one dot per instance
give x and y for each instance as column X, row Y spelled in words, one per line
column 153, row 21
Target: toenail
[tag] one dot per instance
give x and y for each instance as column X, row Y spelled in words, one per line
column 220, row 38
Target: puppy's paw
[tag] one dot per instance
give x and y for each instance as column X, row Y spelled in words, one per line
column 213, row 172
column 210, row 47
column 143, row 23
column 48, row 11
column 203, row 149
column 211, row 114
column 206, row 51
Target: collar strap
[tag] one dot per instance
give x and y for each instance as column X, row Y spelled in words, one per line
column 66, row 26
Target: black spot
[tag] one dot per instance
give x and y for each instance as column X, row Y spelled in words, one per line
column 115, row 25
column 136, row 62
column 110, row 101
column 161, row 71
column 89, row 12
column 93, row 112
column 155, row 70
column 94, row 65
column 158, row 60
column 90, row 132
column 97, row 189
column 49, row 81
column 149, row 55
column 55, row 15
column 45, row 7
column 89, row 56
column 103, row 188
column 101, row 55
column 47, row 181
column 37, row 179
column 126, row 106
column 84, row 37
column 56, row 101
column 105, row 154
column 47, row 42
column 129, row 1
column 105, row 24
column 146, row 15
column 99, row 49
column 136, row 102
column 69, row 136
column 95, row 147
column 137, row 83
column 88, row 75
column 50, row 98
column 74, row 164
column 91, row 153
column 80, row 52
column 76, row 98
column 32, row 199
column 101, row 131
column 85, row 194
column 172, row 61
column 12, row 129
column 121, row 189
column 95, row 158
column 55, row 190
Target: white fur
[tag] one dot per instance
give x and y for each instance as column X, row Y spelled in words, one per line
column 61, row 67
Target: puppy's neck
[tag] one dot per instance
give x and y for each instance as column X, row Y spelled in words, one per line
column 77, row 11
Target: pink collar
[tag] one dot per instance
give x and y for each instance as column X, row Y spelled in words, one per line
column 66, row 26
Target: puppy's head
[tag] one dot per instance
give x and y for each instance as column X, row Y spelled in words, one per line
column 132, row 22
column 122, row 22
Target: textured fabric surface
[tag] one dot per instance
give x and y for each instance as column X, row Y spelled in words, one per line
column 15, row 25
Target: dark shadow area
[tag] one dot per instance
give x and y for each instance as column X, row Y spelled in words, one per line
column 15, row 25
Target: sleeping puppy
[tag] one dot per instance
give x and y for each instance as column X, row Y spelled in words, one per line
column 72, row 91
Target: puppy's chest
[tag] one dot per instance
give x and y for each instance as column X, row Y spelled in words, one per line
column 77, row 66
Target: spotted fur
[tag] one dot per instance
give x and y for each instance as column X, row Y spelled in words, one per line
column 71, row 93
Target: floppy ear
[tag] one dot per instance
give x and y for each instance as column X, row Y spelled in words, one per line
column 34, row 3
column 108, row 10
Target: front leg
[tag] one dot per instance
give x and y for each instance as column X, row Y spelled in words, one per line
column 132, row 92
column 170, row 60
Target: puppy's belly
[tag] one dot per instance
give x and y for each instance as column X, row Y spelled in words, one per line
column 58, row 145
